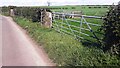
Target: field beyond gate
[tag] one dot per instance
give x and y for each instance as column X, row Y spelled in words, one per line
column 82, row 27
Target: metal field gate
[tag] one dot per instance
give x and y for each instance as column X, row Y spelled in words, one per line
column 81, row 27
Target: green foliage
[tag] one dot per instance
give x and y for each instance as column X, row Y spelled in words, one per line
column 73, row 8
column 5, row 10
column 64, row 50
column 26, row 12
column 30, row 13
column 111, row 29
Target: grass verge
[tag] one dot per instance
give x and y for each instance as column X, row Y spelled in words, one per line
column 63, row 49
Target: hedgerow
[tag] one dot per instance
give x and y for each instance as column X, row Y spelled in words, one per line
column 30, row 13
column 111, row 30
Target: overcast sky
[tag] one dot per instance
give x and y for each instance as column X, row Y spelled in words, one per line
column 56, row 2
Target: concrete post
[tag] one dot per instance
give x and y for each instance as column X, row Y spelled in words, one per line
column 47, row 19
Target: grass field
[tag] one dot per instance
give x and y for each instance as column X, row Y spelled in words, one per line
column 85, row 9
column 98, row 10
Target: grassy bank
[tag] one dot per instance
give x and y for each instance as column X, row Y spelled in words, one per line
column 63, row 49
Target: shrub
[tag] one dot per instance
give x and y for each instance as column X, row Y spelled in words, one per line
column 73, row 7
column 111, row 29
column 5, row 10
column 90, row 7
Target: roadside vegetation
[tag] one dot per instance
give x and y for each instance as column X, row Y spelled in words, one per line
column 63, row 49
column 111, row 30
column 5, row 11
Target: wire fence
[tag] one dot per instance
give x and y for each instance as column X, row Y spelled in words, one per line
column 78, row 27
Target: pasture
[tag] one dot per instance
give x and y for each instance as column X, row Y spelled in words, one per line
column 87, row 10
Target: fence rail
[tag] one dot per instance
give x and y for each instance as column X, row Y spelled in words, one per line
column 63, row 25
column 79, row 15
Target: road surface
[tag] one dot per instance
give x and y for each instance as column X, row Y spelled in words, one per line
column 18, row 49
column 0, row 41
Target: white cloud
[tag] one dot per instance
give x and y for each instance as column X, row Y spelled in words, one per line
column 55, row 2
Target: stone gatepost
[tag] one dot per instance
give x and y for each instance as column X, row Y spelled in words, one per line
column 12, row 12
column 46, row 19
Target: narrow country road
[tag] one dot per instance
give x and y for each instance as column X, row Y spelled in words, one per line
column 18, row 49
column 0, row 41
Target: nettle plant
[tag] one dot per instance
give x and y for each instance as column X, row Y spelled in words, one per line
column 111, row 28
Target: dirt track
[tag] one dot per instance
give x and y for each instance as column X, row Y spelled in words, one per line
column 18, row 49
